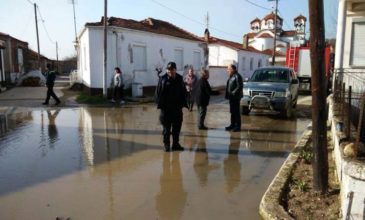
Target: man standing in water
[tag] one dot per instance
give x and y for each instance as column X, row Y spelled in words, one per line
column 234, row 94
column 170, row 99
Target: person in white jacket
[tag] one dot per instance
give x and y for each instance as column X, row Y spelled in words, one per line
column 118, row 85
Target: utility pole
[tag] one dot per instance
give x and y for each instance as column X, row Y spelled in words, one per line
column 275, row 27
column 36, row 27
column 319, row 113
column 105, row 48
column 57, row 55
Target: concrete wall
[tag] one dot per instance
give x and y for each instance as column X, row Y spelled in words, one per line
column 159, row 49
column 351, row 173
column 218, row 76
column 221, row 55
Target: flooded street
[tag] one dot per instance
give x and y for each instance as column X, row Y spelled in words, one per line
column 108, row 163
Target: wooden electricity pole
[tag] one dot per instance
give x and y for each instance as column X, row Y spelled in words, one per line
column 319, row 114
column 105, row 48
column 275, row 33
column 36, row 28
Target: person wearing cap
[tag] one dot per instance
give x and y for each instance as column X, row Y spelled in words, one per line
column 170, row 97
column 50, row 78
column 234, row 94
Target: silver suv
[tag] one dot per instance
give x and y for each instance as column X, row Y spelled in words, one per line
column 271, row 88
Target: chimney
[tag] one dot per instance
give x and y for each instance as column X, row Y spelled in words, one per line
column 245, row 41
column 206, row 35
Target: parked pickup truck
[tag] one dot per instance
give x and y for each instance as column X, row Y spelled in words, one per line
column 271, row 88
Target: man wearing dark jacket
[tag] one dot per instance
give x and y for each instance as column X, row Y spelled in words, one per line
column 50, row 78
column 170, row 99
column 202, row 97
column 234, row 94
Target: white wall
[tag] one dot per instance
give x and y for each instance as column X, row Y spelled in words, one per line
column 221, row 55
column 119, row 46
column 217, row 77
column 244, row 68
column 84, row 59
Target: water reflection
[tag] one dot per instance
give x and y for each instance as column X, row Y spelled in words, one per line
column 232, row 165
column 171, row 200
column 52, row 128
column 3, row 124
column 201, row 165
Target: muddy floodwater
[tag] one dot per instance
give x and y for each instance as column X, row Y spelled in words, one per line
column 108, row 163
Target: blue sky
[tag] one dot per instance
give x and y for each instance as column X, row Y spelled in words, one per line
column 229, row 19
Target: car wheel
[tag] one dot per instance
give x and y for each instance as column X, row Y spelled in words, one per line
column 245, row 110
column 287, row 113
column 295, row 102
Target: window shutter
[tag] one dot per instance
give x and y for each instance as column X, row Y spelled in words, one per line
column 358, row 44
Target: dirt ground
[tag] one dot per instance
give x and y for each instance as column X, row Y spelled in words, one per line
column 303, row 202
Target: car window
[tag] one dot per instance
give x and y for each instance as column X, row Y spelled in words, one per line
column 271, row 75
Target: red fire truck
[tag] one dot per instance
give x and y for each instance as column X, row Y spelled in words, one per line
column 298, row 58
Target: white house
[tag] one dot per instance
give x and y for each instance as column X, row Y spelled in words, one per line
column 350, row 69
column 262, row 35
column 223, row 52
column 138, row 48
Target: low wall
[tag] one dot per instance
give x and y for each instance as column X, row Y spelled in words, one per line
column 351, row 172
column 218, row 76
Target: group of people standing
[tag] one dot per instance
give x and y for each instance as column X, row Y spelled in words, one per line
column 174, row 92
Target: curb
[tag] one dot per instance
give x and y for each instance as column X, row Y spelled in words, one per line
column 270, row 205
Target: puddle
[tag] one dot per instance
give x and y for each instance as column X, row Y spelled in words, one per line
column 98, row 163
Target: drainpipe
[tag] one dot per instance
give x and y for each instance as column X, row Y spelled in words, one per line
column 340, row 37
column 116, row 48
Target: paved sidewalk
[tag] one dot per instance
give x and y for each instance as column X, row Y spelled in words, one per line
column 27, row 96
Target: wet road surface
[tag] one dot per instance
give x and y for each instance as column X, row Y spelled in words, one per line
column 108, row 163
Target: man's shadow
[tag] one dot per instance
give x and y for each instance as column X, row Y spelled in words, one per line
column 171, row 200
column 232, row 165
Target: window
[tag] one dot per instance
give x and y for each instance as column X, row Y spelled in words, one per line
column 243, row 64
column 251, row 63
column 179, row 59
column 358, row 44
column 259, row 63
column 140, row 57
column 197, row 60
column 84, row 55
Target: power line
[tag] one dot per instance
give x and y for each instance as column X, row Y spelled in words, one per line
column 252, row 3
column 30, row 2
column 286, row 23
column 44, row 26
column 193, row 20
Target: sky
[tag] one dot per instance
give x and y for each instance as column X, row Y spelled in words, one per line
column 228, row 19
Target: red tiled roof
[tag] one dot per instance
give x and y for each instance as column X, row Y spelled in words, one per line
column 300, row 17
column 148, row 25
column 33, row 55
column 7, row 35
column 272, row 16
column 288, row 33
column 227, row 43
column 251, row 35
column 254, row 20
column 264, row 35
column 233, row 45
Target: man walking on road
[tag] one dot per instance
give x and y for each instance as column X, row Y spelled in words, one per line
column 170, row 99
column 50, row 78
column 234, row 94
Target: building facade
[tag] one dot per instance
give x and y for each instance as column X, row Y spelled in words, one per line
column 138, row 48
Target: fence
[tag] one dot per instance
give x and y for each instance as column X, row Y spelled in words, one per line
column 349, row 98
